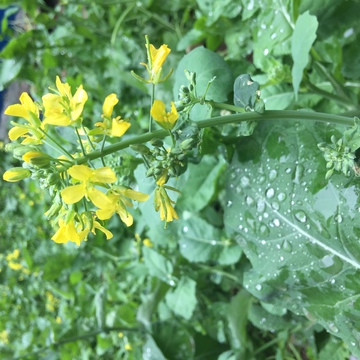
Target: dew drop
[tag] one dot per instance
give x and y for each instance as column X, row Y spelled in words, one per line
column 245, row 182
column 266, row 52
column 261, row 206
column 288, row 170
column 338, row 218
column 249, row 201
column 286, row 245
column 300, row 216
column 185, row 229
column 229, row 203
column 275, row 205
column 272, row 175
column 276, row 222
column 264, row 230
column 299, row 172
column 270, row 193
column 213, row 242
column 281, row 196
column 273, row 36
column 258, row 287
column 332, row 327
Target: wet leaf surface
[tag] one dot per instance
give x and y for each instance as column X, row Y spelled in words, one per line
column 300, row 232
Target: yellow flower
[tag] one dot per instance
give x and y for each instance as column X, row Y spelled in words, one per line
column 78, row 231
column 14, row 265
column 119, row 199
column 16, row 174
column 13, row 256
column 64, row 109
column 4, row 337
column 58, row 320
column 110, row 126
column 128, row 347
column 147, row 242
column 109, row 103
column 165, row 119
column 88, row 178
column 29, row 111
column 156, row 59
column 163, row 203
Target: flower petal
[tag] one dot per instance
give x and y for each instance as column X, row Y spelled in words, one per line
column 109, row 103
column 80, row 172
column 73, row 194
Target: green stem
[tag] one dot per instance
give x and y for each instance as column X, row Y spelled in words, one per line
column 221, row 272
column 102, row 149
column 269, row 115
column 119, row 22
column 80, row 141
column 226, row 106
column 347, row 102
column 152, row 97
column 59, row 148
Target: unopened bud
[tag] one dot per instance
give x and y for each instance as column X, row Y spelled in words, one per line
column 16, row 174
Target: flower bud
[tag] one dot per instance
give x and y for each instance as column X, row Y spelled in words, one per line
column 157, row 142
column 140, row 148
column 36, row 158
column 16, row 174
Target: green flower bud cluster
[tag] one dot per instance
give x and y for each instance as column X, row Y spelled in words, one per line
column 187, row 96
column 338, row 157
column 165, row 162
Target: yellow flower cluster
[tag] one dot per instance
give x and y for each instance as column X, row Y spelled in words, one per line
column 84, row 194
column 14, row 263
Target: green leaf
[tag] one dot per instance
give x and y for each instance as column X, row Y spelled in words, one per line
column 201, row 183
column 246, row 91
column 9, row 70
column 206, row 64
column 157, row 264
column 151, row 351
column 238, row 319
column 201, row 242
column 300, row 233
column 182, row 300
column 303, row 37
column 177, row 347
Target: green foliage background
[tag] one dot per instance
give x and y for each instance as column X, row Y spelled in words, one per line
column 264, row 261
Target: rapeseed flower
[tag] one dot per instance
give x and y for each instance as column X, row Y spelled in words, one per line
column 78, row 231
column 165, row 119
column 120, row 198
column 63, row 108
column 113, row 127
column 87, row 179
column 29, row 111
column 163, row 203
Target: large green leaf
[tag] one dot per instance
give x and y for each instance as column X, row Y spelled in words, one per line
column 207, row 65
column 300, row 233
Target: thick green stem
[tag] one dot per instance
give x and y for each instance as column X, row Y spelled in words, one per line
column 269, row 115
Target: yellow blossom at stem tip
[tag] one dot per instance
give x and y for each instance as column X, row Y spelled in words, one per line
column 64, row 109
